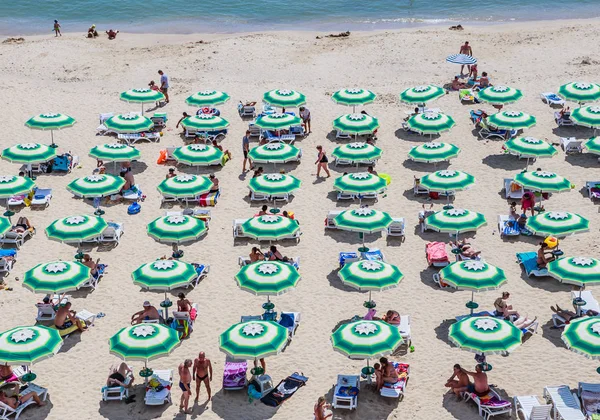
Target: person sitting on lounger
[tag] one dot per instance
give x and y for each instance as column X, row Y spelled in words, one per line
column 387, row 374
column 480, row 385
column 149, row 313
column 218, row 146
column 22, row 225
column 65, row 318
column 544, row 255
column 185, row 115
column 256, row 255
column 112, row 34
column 183, row 304
column 118, row 374
column 17, row 400
column 565, row 113
column 458, row 382
column 319, row 409
column 91, row 264
column 458, row 85
column 372, row 171
column 275, row 255
column 215, row 182
column 263, row 211
column 171, row 173
column 504, row 309
column 392, row 317
column 484, row 81
column 128, row 177
column 7, row 375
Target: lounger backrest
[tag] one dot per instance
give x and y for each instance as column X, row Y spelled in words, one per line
column 588, row 387
column 540, row 412
column 348, row 380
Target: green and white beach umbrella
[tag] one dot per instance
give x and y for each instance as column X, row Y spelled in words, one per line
column 129, row 123
column 51, row 122
column 164, row 275
column 485, row 334
column 588, row 116
column 542, row 181
column 29, row 153
column 580, row 271
column 142, row 96
column 205, row 122
column 5, row 225
column 363, row 220
column 144, row 342
column 447, row 180
column 207, row 98
column 270, row 227
column 430, row 123
column 499, row 95
column 421, row 94
column 511, row 120
column 593, row 145
column 583, row 336
column 580, row 92
column 353, row 97
column 56, row 277
column 198, row 155
column 557, row 223
column 359, row 183
column 93, row 186
column 75, row 229
column 356, row 124
column 115, row 152
column 277, row 121
column 14, row 185
column 274, row 184
column 433, row 152
column 529, row 147
column 473, row 275
column 176, row 229
column 253, row 339
column 366, row 339
column 283, row 98
column 370, row 275
column 357, row 152
column 273, row 153
column 28, row 345
column 455, row 221
column 185, row 185
column 267, row 278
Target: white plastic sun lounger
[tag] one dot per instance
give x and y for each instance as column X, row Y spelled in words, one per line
column 487, row 411
column 164, row 396
column 117, row 393
column 571, row 145
column 397, row 227
column 6, row 411
column 348, row 402
column 552, row 99
column 530, row 408
column 589, row 394
column 329, row 223
column 237, row 228
column 564, row 405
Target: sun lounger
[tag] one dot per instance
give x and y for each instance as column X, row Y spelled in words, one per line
column 112, row 233
column 284, row 138
column 6, row 411
column 436, row 254
column 234, row 374
column 563, row 120
column 345, row 394
column 373, row 254
column 564, row 405
column 340, row 135
column 41, row 197
column 202, row 271
column 345, row 196
column 16, row 238
column 593, row 189
column 529, row 262
column 529, row 407
column 281, row 197
column 258, row 197
column 133, row 138
column 531, row 328
column 512, row 189
column 397, row 228
column 486, row 132
column 552, row 99
column 329, row 222
column 17, row 200
column 284, row 390
column 117, row 393
column 45, row 312
column 255, row 131
column 132, row 194
column 418, row 189
column 591, row 304
column 290, row 320
column 404, row 328
column 237, row 228
column 507, row 226
column 589, row 395
column 397, row 390
column 246, row 111
column 437, row 279
column 102, row 129
column 153, row 397
column 348, row 257
column 571, row 145
column 490, row 405
column 159, row 119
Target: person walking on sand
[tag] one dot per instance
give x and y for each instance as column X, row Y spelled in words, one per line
column 57, row 28
column 185, row 381
column 467, row 50
column 305, row 115
column 246, row 149
column 164, row 85
column 202, row 373
column 322, row 162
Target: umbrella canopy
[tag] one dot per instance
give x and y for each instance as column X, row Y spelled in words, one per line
column 277, row 121
column 274, row 153
column 421, row 94
column 283, row 98
column 359, row 183
column 144, row 342
column 129, row 123
column 462, row 59
column 267, row 278
column 530, row 147
column 56, row 277
column 366, row 339
column 557, row 223
column 270, row 227
column 580, row 271
column 141, row 96
column 364, row 220
column 274, row 184
column 115, row 152
column 198, row 155
column 14, row 185
column 205, row 122
column 583, row 336
column 29, row 153
column 430, row 123
column 50, row 121
column 433, row 152
column 176, row 229
column 92, row 186
column 164, row 275
column 75, row 229
column 588, row 116
column 207, row 98
column 185, row 186
column 542, row 181
column 580, row 92
column 447, row 180
column 473, row 275
column 511, row 120
column 28, row 345
column 484, row 334
column 593, row 145
column 253, row 339
column 356, row 124
column 5, row 225
column 499, row 95
column 455, row 221
column 370, row 275
column 357, row 152
column 353, row 97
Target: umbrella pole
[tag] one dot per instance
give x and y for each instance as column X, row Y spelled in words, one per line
column 142, row 108
column 54, row 146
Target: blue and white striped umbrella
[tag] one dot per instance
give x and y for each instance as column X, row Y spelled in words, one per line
column 461, row 59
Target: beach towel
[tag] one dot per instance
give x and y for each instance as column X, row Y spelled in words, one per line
column 347, row 255
column 284, row 390
column 511, row 228
column 209, row 199
column 436, row 252
column 591, row 402
column 595, row 193
column 8, row 253
column 490, row 400
column 396, row 389
column 234, row 374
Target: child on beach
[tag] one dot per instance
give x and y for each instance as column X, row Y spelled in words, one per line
column 57, row 28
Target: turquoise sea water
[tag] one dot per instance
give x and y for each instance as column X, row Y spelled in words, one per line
column 189, row 16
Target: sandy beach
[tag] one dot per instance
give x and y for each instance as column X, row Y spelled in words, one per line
column 83, row 77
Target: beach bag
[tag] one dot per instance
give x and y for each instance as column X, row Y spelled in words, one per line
column 162, row 157
column 134, row 208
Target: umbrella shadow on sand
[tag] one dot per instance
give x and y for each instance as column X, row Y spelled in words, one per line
column 425, row 167
column 552, row 334
column 505, row 161
column 442, row 331
column 547, row 284
column 572, row 131
column 402, row 134
column 332, row 195
column 199, row 170
column 427, row 279
column 583, row 160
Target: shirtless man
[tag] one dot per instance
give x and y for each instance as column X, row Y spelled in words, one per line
column 65, row 318
column 480, row 382
column 459, row 381
column 202, row 373
column 386, row 374
column 466, row 49
column 17, row 400
column 185, row 381
column 149, row 312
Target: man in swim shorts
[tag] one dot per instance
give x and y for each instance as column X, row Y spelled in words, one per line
column 65, row 318
column 202, row 373
column 185, row 380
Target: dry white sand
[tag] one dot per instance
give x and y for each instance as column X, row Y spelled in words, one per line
column 83, row 77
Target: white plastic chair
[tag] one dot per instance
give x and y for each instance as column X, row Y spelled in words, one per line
column 509, row 193
column 404, row 329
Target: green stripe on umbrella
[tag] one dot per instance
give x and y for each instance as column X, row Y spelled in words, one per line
column 593, row 145
column 511, row 120
column 529, row 147
column 353, row 97
column 129, row 123
column 56, row 277
column 207, row 98
column 274, row 153
column 499, row 95
column 74, row 229
column 542, row 181
column 583, row 336
column 205, row 122
column 29, row 153
column 430, row 123
column 284, row 98
column 185, row 186
column 487, row 335
column 447, row 180
column 176, row 229
column 144, row 342
column 473, row 275
column 580, row 271
column 274, row 184
column 115, row 152
column 267, row 278
column 370, row 275
column 359, row 183
column 141, row 96
column 270, row 227
column 580, row 92
column 421, row 94
column 93, row 186
column 198, row 155
column 588, row 116
column 164, row 275
column 14, row 185
column 28, row 345
column 277, row 121
column 50, row 121
column 557, row 223
column 455, row 221
column 366, row 339
column 253, row 339
column 433, row 152
column 364, row 220
column 356, row 124
column 357, row 152
column 5, row 225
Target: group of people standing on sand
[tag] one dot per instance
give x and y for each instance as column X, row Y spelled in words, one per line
column 202, row 373
column 91, row 32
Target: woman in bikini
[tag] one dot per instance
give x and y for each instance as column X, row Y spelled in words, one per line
column 16, row 401
column 392, row 317
column 322, row 162
column 386, row 374
column 319, row 409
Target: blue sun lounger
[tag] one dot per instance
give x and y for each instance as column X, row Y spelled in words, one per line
column 529, row 262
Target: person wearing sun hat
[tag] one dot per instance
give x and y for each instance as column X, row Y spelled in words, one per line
column 148, row 313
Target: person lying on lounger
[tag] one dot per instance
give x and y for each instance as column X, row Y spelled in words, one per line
column 465, row 248
column 22, row 225
column 148, row 313
column 523, row 323
column 17, row 400
column 458, row 382
column 568, row 315
column 118, row 374
column 392, row 317
column 65, row 318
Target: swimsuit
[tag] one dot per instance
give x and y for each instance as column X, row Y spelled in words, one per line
column 182, row 386
column 64, row 326
column 117, row 376
column 201, row 378
column 324, row 159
